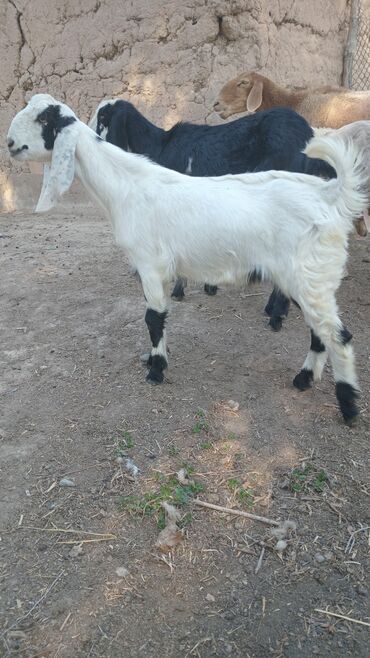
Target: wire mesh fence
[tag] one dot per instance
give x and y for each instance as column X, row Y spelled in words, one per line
column 357, row 54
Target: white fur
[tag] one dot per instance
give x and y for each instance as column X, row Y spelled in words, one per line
column 292, row 228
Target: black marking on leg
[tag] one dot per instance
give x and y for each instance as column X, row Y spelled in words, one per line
column 157, row 365
column 303, row 380
column 210, row 290
column 347, row 396
column 270, row 304
column 155, row 322
column 316, row 344
column 345, row 336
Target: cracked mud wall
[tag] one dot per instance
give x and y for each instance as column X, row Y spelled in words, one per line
column 170, row 57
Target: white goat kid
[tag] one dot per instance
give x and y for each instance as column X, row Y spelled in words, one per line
column 289, row 228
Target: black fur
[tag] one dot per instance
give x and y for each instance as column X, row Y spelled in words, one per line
column 155, row 322
column 210, row 290
column 255, row 276
column 346, row 396
column 178, row 291
column 277, row 308
column 345, row 336
column 52, row 123
column 157, row 365
column 272, row 139
column 303, row 380
column 316, row 344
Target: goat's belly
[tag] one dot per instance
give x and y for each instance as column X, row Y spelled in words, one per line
column 232, row 276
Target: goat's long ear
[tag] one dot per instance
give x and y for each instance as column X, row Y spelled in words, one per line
column 59, row 176
column 254, row 99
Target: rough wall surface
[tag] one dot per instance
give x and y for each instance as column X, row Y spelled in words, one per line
column 169, row 58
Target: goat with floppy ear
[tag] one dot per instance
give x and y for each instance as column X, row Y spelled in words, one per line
column 58, row 127
column 281, row 226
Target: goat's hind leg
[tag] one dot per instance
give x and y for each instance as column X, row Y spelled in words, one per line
column 336, row 338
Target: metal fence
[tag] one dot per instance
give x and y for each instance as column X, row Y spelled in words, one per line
column 356, row 74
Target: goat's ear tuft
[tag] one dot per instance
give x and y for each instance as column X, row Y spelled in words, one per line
column 58, row 178
column 254, row 99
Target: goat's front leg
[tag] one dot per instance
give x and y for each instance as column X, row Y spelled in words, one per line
column 155, row 318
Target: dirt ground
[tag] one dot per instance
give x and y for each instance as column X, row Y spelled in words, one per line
column 75, row 406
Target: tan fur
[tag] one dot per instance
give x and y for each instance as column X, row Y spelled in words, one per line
column 325, row 106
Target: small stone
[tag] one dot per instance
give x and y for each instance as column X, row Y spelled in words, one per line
column 210, row 598
column 75, row 551
column 234, row 406
column 319, row 557
column 285, row 484
column 66, row 482
column 361, row 590
column 281, row 545
column 122, row 572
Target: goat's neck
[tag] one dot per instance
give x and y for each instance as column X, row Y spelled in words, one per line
column 144, row 137
column 101, row 169
column 281, row 97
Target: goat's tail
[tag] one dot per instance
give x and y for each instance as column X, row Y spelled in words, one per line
column 350, row 191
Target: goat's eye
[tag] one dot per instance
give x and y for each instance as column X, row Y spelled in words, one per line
column 44, row 122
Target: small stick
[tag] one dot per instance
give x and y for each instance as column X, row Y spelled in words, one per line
column 65, row 621
column 106, row 535
column 335, row 614
column 85, row 541
column 259, row 563
column 228, row 510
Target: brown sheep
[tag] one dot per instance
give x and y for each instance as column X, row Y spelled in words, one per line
column 327, row 107
column 330, row 107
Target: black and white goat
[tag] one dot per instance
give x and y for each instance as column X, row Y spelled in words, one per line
column 270, row 140
column 289, row 228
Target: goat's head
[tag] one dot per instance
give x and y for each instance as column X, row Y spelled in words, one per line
column 102, row 117
column 243, row 93
column 46, row 130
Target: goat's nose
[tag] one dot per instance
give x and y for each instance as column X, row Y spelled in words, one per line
column 216, row 105
column 10, row 143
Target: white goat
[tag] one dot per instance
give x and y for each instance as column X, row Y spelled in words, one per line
column 285, row 227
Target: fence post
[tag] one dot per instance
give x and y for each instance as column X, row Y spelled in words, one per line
column 350, row 48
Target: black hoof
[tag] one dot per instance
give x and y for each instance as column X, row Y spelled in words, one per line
column 157, row 365
column 178, row 297
column 276, row 323
column 210, row 290
column 347, row 396
column 178, row 292
column 154, row 377
column 303, row 380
